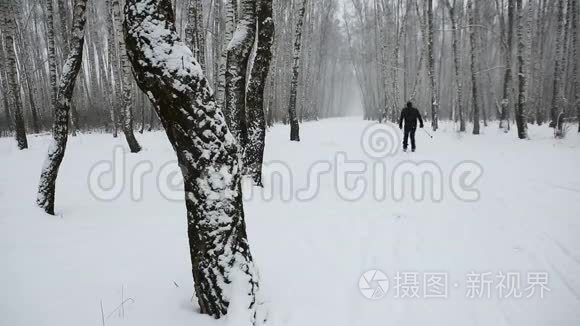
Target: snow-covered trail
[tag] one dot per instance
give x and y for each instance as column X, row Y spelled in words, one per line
column 311, row 253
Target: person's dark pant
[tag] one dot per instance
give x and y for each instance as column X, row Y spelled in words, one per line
column 409, row 133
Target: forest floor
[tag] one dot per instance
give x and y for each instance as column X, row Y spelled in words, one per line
column 461, row 260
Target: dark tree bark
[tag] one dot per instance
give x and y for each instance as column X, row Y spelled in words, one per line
column 208, row 156
column 254, row 155
column 292, row 116
column 238, row 58
column 12, row 73
column 56, row 150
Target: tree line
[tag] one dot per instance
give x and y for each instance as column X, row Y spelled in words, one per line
column 469, row 61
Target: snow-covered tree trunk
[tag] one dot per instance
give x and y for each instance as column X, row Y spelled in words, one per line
column 126, row 99
column 434, row 99
column 56, row 150
column 229, row 32
column 238, row 58
column 521, row 122
column 255, row 104
column 473, row 44
column 292, row 116
column 165, row 69
column 12, row 73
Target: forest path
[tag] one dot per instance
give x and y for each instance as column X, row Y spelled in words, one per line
column 311, row 249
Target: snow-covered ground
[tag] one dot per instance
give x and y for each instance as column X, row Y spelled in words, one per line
column 525, row 224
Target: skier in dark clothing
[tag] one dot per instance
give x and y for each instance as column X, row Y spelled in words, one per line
column 410, row 115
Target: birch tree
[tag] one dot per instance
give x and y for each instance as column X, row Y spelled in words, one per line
column 195, row 30
column 12, row 73
column 126, row 99
column 292, row 116
column 556, row 90
column 575, row 60
column 56, row 150
column 230, row 26
column 208, row 156
column 473, row 44
column 238, row 58
column 457, row 61
column 434, row 99
column 521, row 107
column 254, row 155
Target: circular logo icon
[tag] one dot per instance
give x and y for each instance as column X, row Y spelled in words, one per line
column 380, row 141
column 374, row 284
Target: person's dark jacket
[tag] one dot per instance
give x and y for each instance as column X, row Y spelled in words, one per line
column 410, row 115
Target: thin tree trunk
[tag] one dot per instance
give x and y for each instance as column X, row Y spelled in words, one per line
column 229, row 32
column 208, row 157
column 556, row 91
column 195, row 30
column 112, row 64
column 434, row 99
column 294, row 123
column 521, row 107
column 49, row 174
column 505, row 103
column 457, row 63
column 255, row 99
column 126, row 99
column 473, row 43
column 575, row 59
column 238, row 58
column 52, row 72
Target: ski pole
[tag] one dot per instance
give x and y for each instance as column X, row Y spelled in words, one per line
column 427, row 133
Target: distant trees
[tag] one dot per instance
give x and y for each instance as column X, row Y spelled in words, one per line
column 379, row 53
